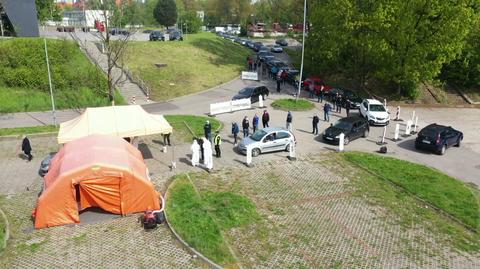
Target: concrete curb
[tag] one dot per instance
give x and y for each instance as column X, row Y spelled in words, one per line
column 207, row 260
column 15, row 137
column 3, row 244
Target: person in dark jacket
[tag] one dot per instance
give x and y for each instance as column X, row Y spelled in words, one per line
column 207, row 128
column 235, row 131
column 347, row 106
column 26, row 148
column 255, row 123
column 289, row 121
column 265, row 119
column 166, row 139
column 217, row 141
column 326, row 112
column 315, row 122
column 245, row 126
column 278, row 84
column 339, row 104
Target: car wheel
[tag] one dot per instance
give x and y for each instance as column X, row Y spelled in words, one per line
column 255, row 152
column 443, row 150
column 371, row 122
column 287, row 148
column 458, row 142
column 366, row 133
column 346, row 140
column 264, row 97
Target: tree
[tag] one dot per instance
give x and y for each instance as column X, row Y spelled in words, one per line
column 47, row 10
column 165, row 12
column 190, row 22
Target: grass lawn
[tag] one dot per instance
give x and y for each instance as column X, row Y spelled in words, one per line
column 2, row 233
column 183, row 133
column 449, row 194
column 291, row 104
column 200, row 62
column 77, row 83
column 28, row 130
column 200, row 218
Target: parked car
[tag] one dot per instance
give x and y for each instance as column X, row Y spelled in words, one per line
column 156, row 35
column 264, row 55
column 277, row 49
column 292, row 77
column 175, row 35
column 257, row 46
column 281, row 42
column 438, row 138
column 267, row 140
column 317, row 85
column 375, row 112
column 253, row 93
column 147, row 31
column 248, row 43
column 118, row 31
column 352, row 127
column 45, row 164
column 279, row 64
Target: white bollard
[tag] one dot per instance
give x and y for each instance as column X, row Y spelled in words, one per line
column 397, row 115
column 260, row 101
column 292, row 156
column 397, row 131
column 249, row 156
column 341, row 142
column 384, row 134
column 416, row 124
column 408, row 128
column 164, row 149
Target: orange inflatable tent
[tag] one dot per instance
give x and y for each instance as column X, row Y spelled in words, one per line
column 95, row 171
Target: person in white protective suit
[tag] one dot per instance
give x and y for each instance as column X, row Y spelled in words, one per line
column 208, row 152
column 195, row 152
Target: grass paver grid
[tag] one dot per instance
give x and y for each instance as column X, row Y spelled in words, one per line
column 315, row 220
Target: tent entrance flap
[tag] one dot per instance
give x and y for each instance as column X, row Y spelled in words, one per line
column 101, row 192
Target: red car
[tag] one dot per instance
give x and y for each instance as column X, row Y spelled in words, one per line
column 317, row 84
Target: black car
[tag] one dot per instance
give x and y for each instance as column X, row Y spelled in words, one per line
column 292, row 77
column 118, row 31
column 263, row 56
column 279, row 64
column 281, row 42
column 253, row 93
column 257, row 46
column 438, row 138
column 352, row 127
column 353, row 101
column 175, row 35
column 45, row 164
column 157, row 35
column 249, row 44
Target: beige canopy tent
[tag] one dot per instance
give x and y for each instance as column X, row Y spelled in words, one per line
column 121, row 121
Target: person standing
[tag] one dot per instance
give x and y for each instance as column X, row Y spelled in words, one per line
column 278, row 85
column 217, row 141
column 245, row 126
column 27, row 148
column 315, row 122
column 207, row 129
column 200, row 143
column 255, row 123
column 289, row 121
column 311, row 89
column 284, row 76
column 195, row 152
column 347, row 106
column 339, row 104
column 334, row 100
column 320, row 95
column 166, row 139
column 235, row 131
column 250, row 63
column 207, row 146
column 265, row 119
column 326, row 112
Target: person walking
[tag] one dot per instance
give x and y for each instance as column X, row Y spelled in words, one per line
column 235, row 131
column 265, row 119
column 207, row 129
column 289, row 121
column 245, row 126
column 27, row 148
column 217, row 141
column 166, row 139
column 315, row 122
column 255, row 123
column 195, row 148
column 326, row 112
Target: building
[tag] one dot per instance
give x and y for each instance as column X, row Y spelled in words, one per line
column 18, row 18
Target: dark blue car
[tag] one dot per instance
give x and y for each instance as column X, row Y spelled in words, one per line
column 438, row 138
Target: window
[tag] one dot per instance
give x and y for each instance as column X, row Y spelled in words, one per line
column 269, row 137
column 282, row 135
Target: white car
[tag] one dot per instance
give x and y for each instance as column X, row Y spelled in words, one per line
column 375, row 112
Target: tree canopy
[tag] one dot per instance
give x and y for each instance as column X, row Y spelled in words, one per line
column 47, row 10
column 165, row 12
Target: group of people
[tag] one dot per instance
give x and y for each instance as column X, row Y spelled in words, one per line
column 246, row 125
column 252, row 63
column 202, row 147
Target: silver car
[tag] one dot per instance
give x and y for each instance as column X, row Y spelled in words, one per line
column 267, row 140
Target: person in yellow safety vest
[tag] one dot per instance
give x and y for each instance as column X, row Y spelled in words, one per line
column 217, row 140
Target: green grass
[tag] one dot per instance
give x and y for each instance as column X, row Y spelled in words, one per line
column 2, row 233
column 444, row 192
column 182, row 133
column 28, row 130
column 291, row 104
column 200, row 62
column 77, row 83
column 200, row 219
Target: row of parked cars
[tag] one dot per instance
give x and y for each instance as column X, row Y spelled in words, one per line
column 173, row 35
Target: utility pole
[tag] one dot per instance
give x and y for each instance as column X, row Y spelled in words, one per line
column 50, row 83
column 303, row 47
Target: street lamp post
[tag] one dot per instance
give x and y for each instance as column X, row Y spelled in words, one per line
column 303, row 47
column 50, row 83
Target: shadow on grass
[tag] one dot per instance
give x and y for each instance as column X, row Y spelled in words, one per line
column 228, row 53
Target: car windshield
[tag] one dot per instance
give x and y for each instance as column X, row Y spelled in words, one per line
column 428, row 133
column 377, row 108
column 344, row 125
column 246, row 91
column 258, row 135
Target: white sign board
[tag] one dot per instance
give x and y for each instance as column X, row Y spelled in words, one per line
column 241, row 104
column 249, row 75
column 230, row 106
